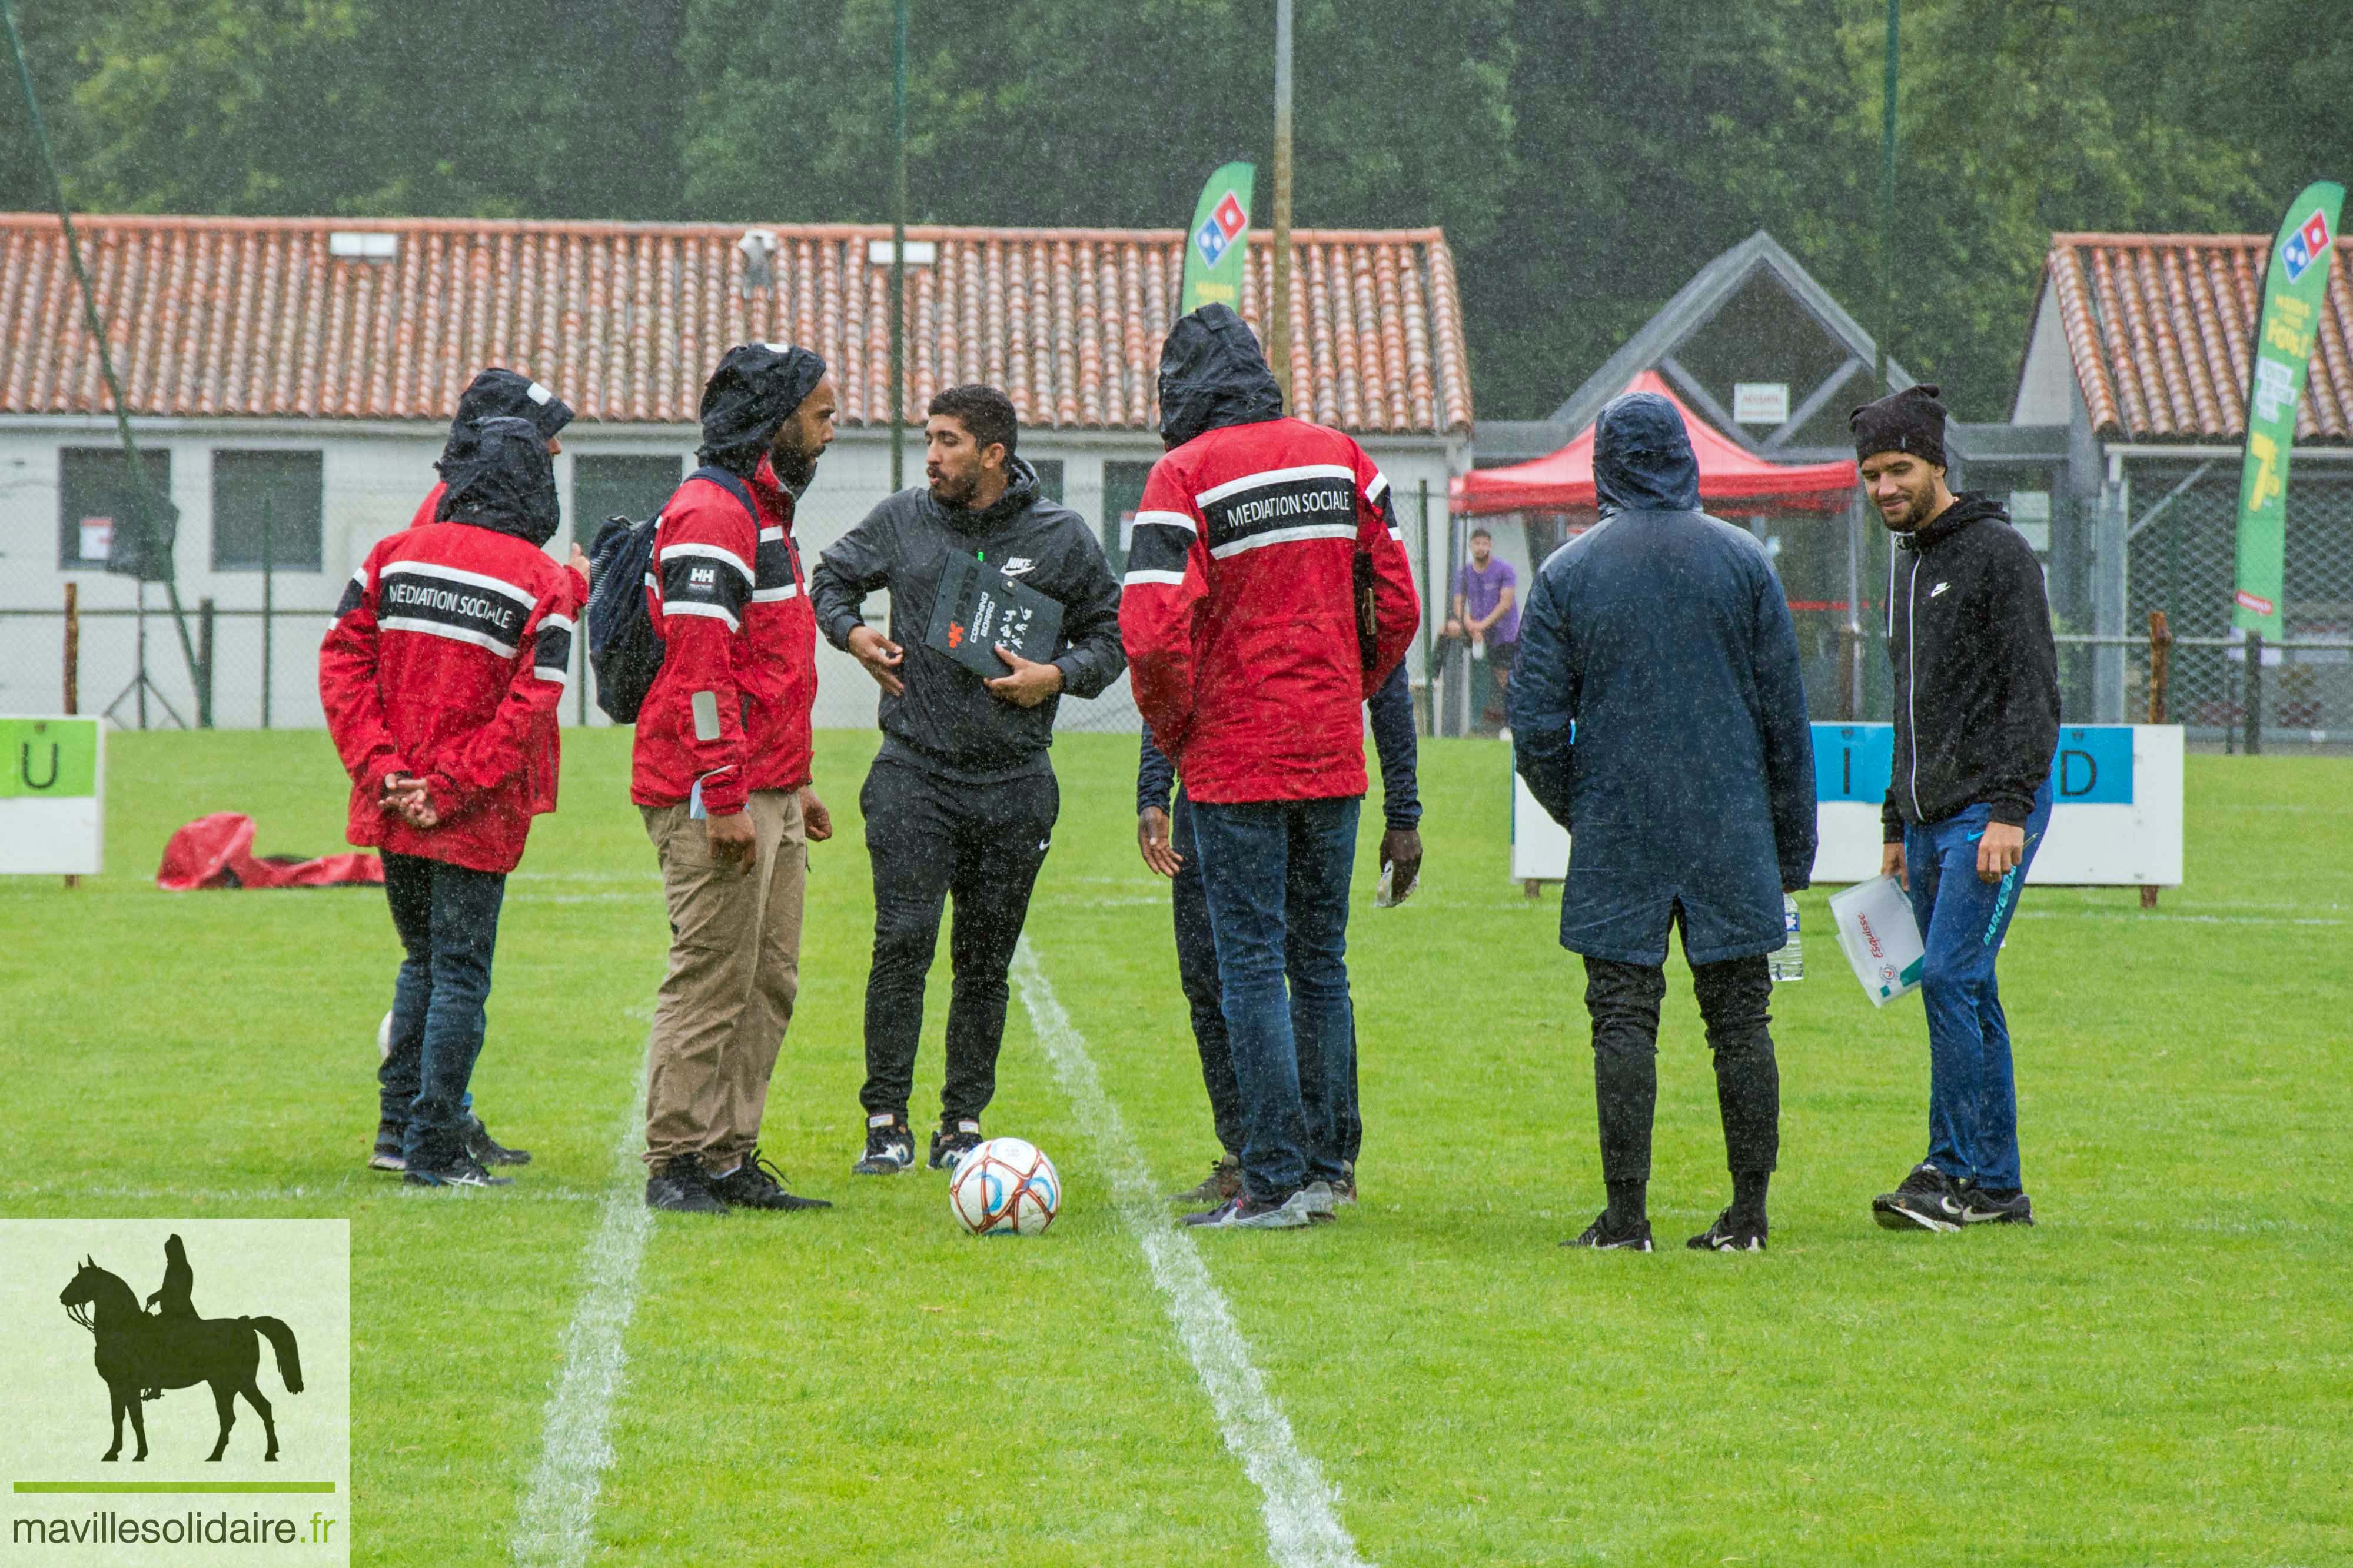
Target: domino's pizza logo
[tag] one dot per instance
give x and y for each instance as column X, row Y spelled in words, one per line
column 1223, row 227
column 2306, row 246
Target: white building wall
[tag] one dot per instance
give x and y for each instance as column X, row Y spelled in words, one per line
column 374, row 476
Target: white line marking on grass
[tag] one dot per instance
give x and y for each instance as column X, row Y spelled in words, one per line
column 1302, row 1526
column 556, row 1524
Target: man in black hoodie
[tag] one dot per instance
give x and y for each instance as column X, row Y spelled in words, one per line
column 961, row 800
column 1977, row 720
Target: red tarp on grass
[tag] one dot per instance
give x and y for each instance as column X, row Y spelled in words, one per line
column 1728, row 475
column 217, row 851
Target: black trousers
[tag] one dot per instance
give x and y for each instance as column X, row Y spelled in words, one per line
column 1196, row 974
column 1733, row 995
column 929, row 839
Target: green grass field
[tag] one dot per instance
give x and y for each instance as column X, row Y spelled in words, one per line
column 2160, row 1372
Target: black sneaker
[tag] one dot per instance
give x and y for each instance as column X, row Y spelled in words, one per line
column 890, row 1149
column 1220, row 1186
column 1247, row 1213
column 1926, row 1199
column 1995, row 1205
column 489, row 1150
column 682, row 1186
column 386, row 1155
column 951, row 1143
column 1726, row 1236
column 1602, row 1236
column 757, row 1184
column 461, row 1170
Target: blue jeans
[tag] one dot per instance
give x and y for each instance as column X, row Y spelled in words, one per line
column 448, row 919
column 1276, row 875
column 1972, row 1096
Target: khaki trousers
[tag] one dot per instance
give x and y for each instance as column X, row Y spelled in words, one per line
column 734, row 968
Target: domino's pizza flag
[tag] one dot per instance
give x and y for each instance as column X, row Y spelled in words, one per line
column 2296, row 290
column 1218, row 243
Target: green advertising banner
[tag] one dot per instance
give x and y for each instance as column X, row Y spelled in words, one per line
column 1216, row 245
column 2294, row 293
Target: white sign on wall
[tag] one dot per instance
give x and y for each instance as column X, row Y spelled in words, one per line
column 2116, row 820
column 1760, row 403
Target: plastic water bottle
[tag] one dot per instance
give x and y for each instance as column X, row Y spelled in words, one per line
column 1790, row 963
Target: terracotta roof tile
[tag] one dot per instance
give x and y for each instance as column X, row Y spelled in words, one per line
column 254, row 317
column 2158, row 328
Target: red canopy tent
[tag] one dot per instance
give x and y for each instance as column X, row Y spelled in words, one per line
column 1728, row 475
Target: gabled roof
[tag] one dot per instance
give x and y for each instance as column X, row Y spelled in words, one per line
column 1727, row 473
column 2157, row 328
column 226, row 317
column 1696, row 303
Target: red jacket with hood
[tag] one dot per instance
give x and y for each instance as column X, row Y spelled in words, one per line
column 1238, row 607
column 730, row 603
column 447, row 655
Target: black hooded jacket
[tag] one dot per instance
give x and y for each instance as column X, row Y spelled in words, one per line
column 502, row 393
column 1211, row 375
column 1976, row 672
column 496, row 474
column 948, row 722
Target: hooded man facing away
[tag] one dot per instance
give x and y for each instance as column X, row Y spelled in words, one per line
column 1268, row 596
column 496, row 393
column 1658, row 713
column 720, row 774
column 440, row 677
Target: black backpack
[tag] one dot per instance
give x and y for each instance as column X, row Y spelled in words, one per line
column 624, row 648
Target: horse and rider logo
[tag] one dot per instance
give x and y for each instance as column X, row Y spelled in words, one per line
column 143, row 1351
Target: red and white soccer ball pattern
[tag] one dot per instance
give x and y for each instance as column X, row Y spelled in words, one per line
column 1005, row 1187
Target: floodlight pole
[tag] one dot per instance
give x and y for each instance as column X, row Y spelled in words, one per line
column 899, row 252
column 153, row 507
column 1278, row 337
column 1886, row 209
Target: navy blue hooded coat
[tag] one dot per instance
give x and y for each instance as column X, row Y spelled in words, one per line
column 1660, row 640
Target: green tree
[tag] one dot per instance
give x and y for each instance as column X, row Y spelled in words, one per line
column 542, row 108
column 1033, row 111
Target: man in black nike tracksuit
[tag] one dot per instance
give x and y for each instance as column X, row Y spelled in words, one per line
column 1976, row 721
column 961, row 800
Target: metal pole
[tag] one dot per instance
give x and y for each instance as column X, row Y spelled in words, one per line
column 73, row 669
column 1279, row 317
column 1886, row 211
column 73, row 647
column 204, row 652
column 1428, row 613
column 269, row 603
column 147, row 514
column 2254, row 746
column 1851, row 665
column 898, row 254
column 141, row 678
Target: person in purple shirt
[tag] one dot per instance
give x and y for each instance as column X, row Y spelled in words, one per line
column 1487, row 617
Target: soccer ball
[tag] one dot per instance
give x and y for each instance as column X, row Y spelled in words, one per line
column 1005, row 1187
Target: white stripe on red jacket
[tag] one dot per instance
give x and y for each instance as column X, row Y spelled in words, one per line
column 727, row 595
column 1238, row 609
column 446, row 659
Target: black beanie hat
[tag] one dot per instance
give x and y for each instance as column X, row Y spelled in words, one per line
column 497, row 475
column 1909, row 421
column 502, row 393
column 755, row 390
